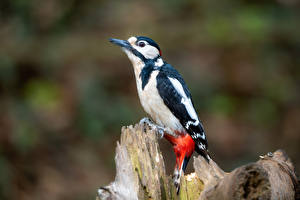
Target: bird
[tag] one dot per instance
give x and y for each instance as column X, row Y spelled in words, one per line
column 165, row 96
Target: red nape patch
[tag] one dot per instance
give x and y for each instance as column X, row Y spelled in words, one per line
column 183, row 146
column 160, row 52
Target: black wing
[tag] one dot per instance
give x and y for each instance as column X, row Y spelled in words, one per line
column 173, row 100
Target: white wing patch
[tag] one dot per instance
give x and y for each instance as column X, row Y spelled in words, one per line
column 198, row 135
column 195, row 123
column 202, row 146
column 187, row 102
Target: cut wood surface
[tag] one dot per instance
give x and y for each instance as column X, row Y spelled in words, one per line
column 141, row 174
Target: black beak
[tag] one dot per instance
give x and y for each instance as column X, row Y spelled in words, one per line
column 125, row 44
column 121, row 43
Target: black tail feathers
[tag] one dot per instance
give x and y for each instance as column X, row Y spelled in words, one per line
column 204, row 153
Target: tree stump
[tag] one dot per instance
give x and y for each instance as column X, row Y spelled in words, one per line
column 141, row 174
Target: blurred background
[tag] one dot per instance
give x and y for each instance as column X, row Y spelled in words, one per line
column 65, row 91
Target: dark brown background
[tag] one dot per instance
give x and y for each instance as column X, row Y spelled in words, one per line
column 65, row 91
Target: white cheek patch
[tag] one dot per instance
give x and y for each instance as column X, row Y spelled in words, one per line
column 148, row 51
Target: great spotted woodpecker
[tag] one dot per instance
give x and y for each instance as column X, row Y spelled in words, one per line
column 166, row 98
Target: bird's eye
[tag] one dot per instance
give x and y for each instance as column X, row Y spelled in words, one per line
column 141, row 44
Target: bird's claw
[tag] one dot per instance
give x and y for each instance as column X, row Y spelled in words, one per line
column 176, row 181
column 145, row 120
column 159, row 130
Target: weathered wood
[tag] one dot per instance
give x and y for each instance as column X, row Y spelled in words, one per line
column 141, row 170
column 272, row 177
column 141, row 174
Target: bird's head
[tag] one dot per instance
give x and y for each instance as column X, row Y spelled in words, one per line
column 139, row 48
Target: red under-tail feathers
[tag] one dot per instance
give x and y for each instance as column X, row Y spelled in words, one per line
column 184, row 147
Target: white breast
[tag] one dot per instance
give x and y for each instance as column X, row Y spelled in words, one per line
column 149, row 97
column 154, row 105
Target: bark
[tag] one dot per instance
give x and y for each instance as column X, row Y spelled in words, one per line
column 141, row 174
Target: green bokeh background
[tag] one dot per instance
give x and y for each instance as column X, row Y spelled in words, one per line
column 65, row 91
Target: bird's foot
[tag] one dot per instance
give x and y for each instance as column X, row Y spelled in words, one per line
column 176, row 180
column 159, row 130
column 145, row 120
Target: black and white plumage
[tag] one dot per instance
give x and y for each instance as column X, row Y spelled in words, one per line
column 177, row 97
column 164, row 94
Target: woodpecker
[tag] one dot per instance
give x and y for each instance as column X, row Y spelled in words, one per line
column 167, row 99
